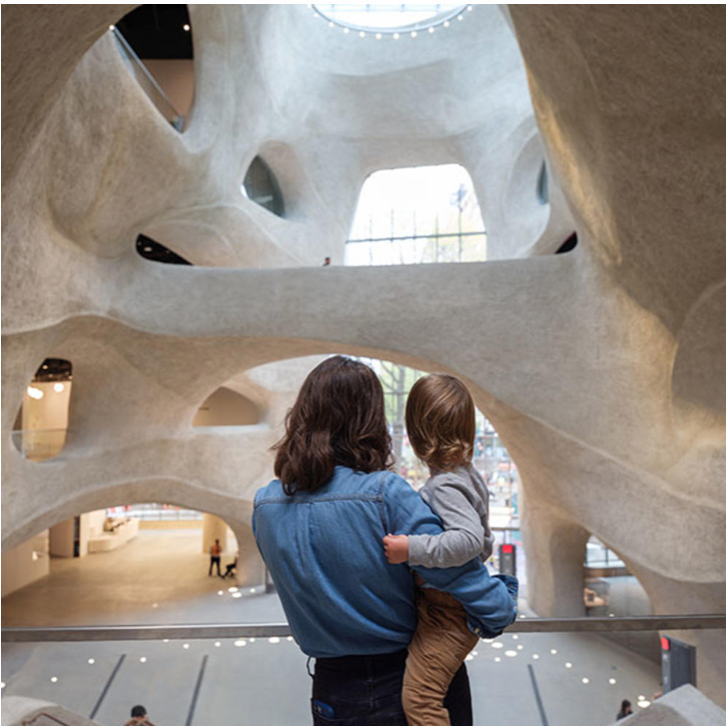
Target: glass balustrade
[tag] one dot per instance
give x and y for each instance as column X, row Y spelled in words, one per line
column 144, row 78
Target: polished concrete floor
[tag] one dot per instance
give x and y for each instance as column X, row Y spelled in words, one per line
column 161, row 577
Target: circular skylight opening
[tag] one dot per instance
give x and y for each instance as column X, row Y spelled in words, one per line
column 390, row 18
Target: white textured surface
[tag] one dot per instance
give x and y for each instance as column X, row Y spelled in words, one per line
column 602, row 369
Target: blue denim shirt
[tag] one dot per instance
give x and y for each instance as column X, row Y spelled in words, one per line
column 325, row 553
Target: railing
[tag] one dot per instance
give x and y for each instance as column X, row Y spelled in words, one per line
column 89, row 633
column 147, row 81
column 559, row 670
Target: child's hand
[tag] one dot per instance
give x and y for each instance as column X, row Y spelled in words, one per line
column 396, row 547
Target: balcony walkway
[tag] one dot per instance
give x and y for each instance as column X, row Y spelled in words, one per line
column 262, row 681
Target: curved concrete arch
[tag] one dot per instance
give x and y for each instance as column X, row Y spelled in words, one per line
column 599, row 368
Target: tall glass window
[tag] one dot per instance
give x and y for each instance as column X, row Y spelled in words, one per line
column 415, row 215
column 491, row 457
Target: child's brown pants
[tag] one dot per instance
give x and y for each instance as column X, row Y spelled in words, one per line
column 439, row 646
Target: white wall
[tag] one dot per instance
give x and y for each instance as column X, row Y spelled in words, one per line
column 61, row 539
column 25, row 563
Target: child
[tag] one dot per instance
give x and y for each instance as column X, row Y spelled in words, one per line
column 441, row 427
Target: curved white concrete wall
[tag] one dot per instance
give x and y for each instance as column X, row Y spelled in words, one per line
column 601, row 369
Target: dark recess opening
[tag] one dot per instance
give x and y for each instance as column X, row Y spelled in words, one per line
column 157, row 31
column 151, row 250
column 569, row 244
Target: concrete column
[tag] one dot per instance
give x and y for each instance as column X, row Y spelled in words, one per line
column 214, row 528
column 250, row 567
column 555, row 545
column 61, row 539
column 676, row 597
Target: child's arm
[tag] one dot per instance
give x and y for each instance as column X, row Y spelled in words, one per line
column 464, row 537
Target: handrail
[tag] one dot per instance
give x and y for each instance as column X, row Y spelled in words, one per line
column 33, row 719
column 523, row 624
column 179, row 120
column 37, row 431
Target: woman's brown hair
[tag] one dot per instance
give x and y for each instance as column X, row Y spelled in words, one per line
column 338, row 419
column 441, row 421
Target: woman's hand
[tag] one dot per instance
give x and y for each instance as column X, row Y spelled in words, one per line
column 396, row 548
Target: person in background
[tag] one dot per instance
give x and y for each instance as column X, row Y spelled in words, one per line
column 229, row 570
column 441, row 426
column 625, row 710
column 215, row 557
column 326, row 263
column 139, row 717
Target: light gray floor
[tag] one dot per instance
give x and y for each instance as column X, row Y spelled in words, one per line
column 263, row 682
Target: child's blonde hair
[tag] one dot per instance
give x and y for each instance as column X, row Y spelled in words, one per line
column 441, row 422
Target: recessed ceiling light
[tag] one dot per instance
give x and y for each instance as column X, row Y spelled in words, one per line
column 187, row 27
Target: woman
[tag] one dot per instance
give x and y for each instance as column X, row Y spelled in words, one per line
column 319, row 528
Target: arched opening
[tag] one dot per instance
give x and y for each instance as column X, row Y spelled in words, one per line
column 491, row 459
column 611, row 590
column 416, row 215
column 133, row 563
column 156, row 44
column 226, row 407
column 41, row 425
column 261, row 187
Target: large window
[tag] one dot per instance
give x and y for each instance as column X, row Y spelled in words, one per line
column 491, row 458
column 415, row 215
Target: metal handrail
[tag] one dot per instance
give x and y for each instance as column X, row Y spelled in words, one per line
column 523, row 624
column 33, row 719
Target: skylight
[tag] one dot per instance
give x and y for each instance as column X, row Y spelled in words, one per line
column 389, row 18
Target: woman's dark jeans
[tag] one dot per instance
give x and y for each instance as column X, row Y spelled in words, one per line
column 365, row 690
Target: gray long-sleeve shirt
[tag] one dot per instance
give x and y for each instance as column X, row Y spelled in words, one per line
column 461, row 499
